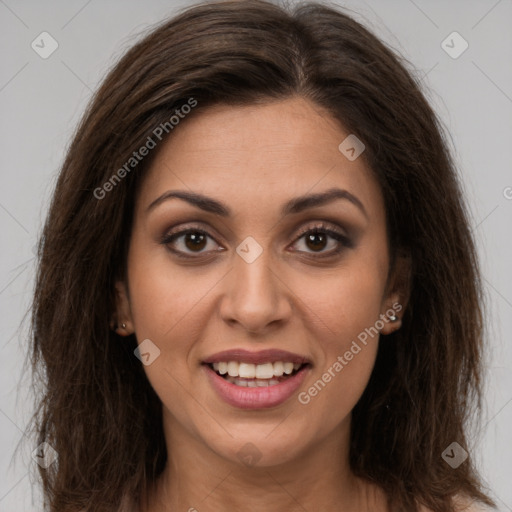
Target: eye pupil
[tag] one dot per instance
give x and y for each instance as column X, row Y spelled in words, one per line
column 312, row 237
column 194, row 240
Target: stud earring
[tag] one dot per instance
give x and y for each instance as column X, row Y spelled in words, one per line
column 123, row 326
column 393, row 318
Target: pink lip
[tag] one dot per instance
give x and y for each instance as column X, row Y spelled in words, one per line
column 255, row 398
column 263, row 356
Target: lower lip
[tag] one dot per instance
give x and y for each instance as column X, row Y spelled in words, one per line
column 256, row 398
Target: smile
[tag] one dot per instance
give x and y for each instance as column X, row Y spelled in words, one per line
column 255, row 392
column 253, row 375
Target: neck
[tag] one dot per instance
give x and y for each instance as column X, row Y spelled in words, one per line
column 196, row 479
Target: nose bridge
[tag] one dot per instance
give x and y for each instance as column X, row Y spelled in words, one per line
column 254, row 297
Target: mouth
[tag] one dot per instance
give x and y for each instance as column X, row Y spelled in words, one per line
column 248, row 380
column 256, row 375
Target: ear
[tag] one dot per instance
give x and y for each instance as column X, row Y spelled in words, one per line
column 122, row 321
column 397, row 295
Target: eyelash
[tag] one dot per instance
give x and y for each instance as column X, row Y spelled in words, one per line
column 321, row 227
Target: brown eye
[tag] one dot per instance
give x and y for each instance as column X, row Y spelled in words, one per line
column 186, row 242
column 316, row 241
column 195, row 241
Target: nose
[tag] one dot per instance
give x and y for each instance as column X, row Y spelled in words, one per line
column 256, row 297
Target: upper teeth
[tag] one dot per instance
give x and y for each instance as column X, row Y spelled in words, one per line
column 258, row 371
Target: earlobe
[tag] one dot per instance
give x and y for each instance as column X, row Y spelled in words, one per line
column 392, row 317
column 398, row 294
column 121, row 321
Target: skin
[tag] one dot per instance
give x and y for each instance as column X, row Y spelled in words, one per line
column 254, row 159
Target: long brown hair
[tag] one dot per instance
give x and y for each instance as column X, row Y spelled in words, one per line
column 98, row 410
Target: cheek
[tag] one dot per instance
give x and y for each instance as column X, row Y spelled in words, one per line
column 165, row 308
column 336, row 385
column 344, row 320
column 341, row 306
column 169, row 308
column 165, row 297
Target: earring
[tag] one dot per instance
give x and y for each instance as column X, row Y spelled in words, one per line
column 119, row 327
column 393, row 318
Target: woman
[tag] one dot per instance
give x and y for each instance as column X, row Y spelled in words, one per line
column 257, row 286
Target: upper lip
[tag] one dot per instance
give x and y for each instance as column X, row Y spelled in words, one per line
column 262, row 356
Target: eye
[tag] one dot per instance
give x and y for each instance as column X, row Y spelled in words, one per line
column 187, row 241
column 190, row 240
column 316, row 239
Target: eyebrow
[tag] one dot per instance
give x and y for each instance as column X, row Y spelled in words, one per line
column 293, row 206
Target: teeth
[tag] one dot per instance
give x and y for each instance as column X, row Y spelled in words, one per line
column 255, row 383
column 288, row 368
column 248, row 371
column 255, row 371
column 278, row 368
column 263, row 371
column 233, row 369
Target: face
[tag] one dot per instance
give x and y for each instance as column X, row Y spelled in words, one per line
column 255, row 266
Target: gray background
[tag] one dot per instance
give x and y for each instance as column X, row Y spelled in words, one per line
column 42, row 101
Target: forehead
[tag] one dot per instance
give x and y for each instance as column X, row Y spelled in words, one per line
column 255, row 157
